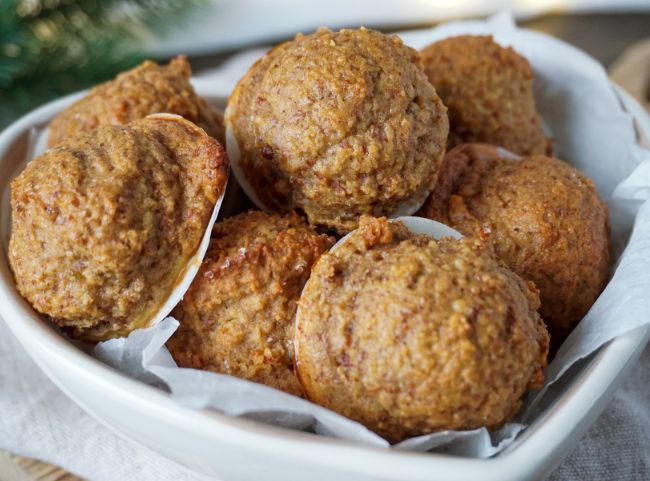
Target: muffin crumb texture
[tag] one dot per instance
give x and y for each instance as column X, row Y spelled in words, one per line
column 238, row 316
column 409, row 335
column 488, row 90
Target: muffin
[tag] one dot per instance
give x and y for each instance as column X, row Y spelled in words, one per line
column 488, row 90
column 105, row 223
column 409, row 335
column 132, row 95
column 335, row 125
column 544, row 219
column 238, row 315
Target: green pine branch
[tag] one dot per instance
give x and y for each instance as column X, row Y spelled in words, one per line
column 52, row 47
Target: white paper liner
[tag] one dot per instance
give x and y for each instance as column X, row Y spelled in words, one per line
column 234, row 155
column 417, row 225
column 592, row 131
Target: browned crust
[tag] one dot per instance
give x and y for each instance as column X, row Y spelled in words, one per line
column 238, row 316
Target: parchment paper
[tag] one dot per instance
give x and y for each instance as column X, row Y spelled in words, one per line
column 591, row 131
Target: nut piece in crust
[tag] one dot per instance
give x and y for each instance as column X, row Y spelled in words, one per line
column 410, row 335
column 338, row 124
column 105, row 223
column 238, row 316
column 488, row 90
column 544, row 219
column 132, row 95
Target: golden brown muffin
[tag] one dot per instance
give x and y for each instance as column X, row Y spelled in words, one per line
column 543, row 217
column 132, row 95
column 409, row 335
column 488, row 90
column 238, row 316
column 104, row 224
column 338, row 124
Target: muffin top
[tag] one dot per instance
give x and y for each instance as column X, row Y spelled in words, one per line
column 132, row 95
column 409, row 335
column 338, row 124
column 488, row 90
column 104, row 224
column 543, row 218
column 238, row 315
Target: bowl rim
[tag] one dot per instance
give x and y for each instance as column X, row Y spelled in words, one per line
column 542, row 445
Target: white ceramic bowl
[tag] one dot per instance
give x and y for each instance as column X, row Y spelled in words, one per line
column 240, row 449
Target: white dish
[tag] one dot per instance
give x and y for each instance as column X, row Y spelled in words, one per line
column 240, row 449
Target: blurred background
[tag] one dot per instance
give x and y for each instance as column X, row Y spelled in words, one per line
column 52, row 47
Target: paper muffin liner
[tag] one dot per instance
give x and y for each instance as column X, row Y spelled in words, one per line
column 234, row 155
column 417, row 225
column 184, row 280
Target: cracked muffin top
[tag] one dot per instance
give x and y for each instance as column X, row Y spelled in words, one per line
column 409, row 335
column 338, row 124
column 105, row 223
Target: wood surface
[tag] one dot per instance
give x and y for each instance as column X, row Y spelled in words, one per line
column 17, row 468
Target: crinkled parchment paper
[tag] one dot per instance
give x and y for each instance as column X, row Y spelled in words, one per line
column 591, row 131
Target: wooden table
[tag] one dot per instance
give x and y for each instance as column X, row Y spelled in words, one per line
column 16, row 468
